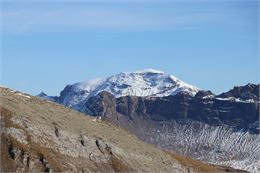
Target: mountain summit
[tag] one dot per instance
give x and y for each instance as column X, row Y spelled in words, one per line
column 142, row 83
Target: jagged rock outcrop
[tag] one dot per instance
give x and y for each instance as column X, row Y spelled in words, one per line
column 41, row 136
column 248, row 92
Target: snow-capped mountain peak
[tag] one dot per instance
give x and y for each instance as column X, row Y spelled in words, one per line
column 144, row 83
column 148, row 82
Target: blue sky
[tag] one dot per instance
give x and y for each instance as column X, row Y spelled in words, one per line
column 47, row 44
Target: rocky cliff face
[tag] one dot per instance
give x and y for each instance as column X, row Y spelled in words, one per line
column 41, row 136
column 221, row 129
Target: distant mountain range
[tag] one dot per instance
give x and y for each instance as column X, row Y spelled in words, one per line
column 163, row 110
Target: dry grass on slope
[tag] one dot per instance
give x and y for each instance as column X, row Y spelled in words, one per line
column 62, row 128
column 195, row 165
column 35, row 128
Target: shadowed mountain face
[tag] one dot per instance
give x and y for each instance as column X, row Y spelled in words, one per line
column 221, row 129
column 237, row 112
column 41, row 136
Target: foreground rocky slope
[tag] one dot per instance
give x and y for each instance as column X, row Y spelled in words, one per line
column 38, row 135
